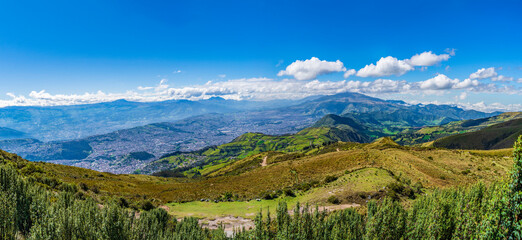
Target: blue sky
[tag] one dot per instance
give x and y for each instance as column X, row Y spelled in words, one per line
column 110, row 48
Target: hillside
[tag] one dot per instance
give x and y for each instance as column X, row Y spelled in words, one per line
column 426, row 134
column 8, row 133
column 431, row 167
column 112, row 151
column 251, row 144
column 339, row 179
column 501, row 135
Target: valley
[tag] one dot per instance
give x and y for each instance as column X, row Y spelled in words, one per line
column 114, row 151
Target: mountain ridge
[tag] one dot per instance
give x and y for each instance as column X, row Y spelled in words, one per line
column 111, row 149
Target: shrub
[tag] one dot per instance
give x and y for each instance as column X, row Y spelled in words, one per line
column 122, row 202
column 147, row 205
column 329, row 179
column 334, row 200
column 417, row 187
column 289, row 192
column 84, row 186
column 95, row 189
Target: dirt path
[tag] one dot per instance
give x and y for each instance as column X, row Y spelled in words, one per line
column 229, row 224
column 263, row 164
column 338, row 150
column 338, row 207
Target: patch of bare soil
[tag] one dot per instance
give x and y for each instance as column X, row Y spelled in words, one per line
column 228, row 223
column 263, row 164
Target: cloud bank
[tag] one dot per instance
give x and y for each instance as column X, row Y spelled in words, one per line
column 260, row 89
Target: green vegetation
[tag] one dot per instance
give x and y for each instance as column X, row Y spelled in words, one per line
column 330, row 129
column 207, row 160
column 31, row 211
column 412, row 136
column 498, row 136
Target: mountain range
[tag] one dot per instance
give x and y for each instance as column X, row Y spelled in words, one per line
column 116, row 151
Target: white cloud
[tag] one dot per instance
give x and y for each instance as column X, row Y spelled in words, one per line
column 311, row 68
column 177, row 71
column 467, row 83
column 238, row 89
column 502, row 78
column 259, row 89
column 463, row 95
column 519, row 80
column 145, row 88
column 483, row 73
column 427, row 59
column 222, row 75
column 349, row 73
column 479, row 106
column 443, row 82
column 385, row 67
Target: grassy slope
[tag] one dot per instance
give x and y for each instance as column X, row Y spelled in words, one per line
column 498, row 136
column 434, row 168
column 362, row 169
column 427, row 134
column 249, row 144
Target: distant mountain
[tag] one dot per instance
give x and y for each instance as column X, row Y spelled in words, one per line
column 498, row 136
column 111, row 151
column 79, row 121
column 8, row 133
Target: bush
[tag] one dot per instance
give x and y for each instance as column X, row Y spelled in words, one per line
column 84, row 186
column 417, row 187
column 122, row 202
column 289, row 193
column 334, row 200
column 147, row 205
column 329, row 179
column 228, row 195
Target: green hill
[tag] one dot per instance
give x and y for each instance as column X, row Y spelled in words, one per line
column 414, row 136
column 8, row 133
column 498, row 136
column 250, row 144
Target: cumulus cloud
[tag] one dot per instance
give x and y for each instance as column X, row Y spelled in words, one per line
column 349, row 73
column 483, row 73
column 427, row 59
column 311, row 68
column 443, row 82
column 385, row 67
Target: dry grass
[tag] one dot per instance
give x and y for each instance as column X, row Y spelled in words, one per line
column 432, row 167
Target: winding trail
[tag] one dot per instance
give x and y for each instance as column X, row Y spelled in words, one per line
column 263, row 164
